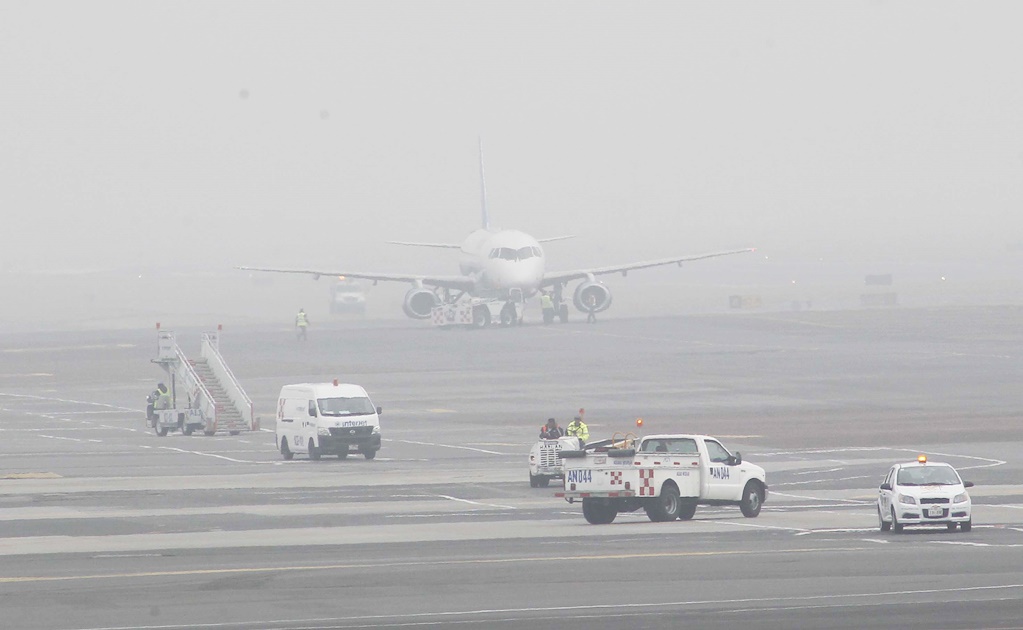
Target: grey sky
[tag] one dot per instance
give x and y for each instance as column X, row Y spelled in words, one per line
column 309, row 133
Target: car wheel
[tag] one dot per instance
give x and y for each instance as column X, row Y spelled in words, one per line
column 967, row 526
column 187, row 430
column 687, row 510
column 285, row 451
column 597, row 512
column 369, row 454
column 951, row 526
column 314, row 453
column 752, row 500
column 664, row 507
column 884, row 526
column 896, row 525
column 161, row 431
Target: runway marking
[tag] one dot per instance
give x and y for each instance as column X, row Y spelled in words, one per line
column 799, row 496
column 465, row 448
column 65, row 400
column 421, row 563
column 449, row 615
column 755, row 526
column 855, row 449
column 801, row 483
column 493, row 505
column 848, row 530
column 27, row 374
column 97, row 346
column 816, row 472
column 230, row 459
column 32, row 475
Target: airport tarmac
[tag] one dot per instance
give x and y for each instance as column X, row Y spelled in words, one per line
column 105, row 525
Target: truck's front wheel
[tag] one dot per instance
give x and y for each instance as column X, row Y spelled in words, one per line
column 665, row 507
column 598, row 512
column 752, row 500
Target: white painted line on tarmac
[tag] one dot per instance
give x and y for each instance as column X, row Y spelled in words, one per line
column 755, row 526
column 66, row 400
column 230, row 459
column 801, row 483
column 817, row 472
column 465, row 448
column 847, row 530
column 839, row 599
column 800, row 496
column 492, row 505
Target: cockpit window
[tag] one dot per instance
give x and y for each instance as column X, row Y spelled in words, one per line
column 537, row 252
column 525, row 252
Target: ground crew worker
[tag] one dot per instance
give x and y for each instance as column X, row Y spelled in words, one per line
column 591, row 309
column 577, row 428
column 551, row 430
column 301, row 323
column 163, row 398
column 548, row 307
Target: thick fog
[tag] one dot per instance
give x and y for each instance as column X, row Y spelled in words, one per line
column 148, row 148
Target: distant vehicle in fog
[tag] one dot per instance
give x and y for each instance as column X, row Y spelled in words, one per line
column 502, row 265
column 347, row 296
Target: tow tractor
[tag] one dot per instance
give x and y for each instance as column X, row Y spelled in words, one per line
column 479, row 312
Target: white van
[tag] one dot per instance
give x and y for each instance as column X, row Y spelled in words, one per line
column 327, row 419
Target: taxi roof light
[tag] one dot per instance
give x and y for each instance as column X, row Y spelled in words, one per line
column 922, row 459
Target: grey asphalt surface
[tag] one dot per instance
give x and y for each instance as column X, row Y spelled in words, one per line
column 105, row 525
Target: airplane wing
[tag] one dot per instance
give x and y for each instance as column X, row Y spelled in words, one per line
column 578, row 274
column 554, row 238
column 446, row 282
column 409, row 244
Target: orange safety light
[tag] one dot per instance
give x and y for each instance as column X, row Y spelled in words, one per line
column 639, row 422
column 922, row 459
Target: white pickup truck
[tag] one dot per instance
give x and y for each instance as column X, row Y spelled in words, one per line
column 666, row 475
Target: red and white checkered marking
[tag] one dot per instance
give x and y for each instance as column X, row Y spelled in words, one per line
column 616, row 477
column 646, row 482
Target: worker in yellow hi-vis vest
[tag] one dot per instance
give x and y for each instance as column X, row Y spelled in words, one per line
column 301, row 323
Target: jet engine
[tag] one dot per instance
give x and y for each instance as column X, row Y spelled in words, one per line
column 419, row 303
column 600, row 293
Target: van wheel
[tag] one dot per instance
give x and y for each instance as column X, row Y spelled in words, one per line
column 187, row 430
column 665, row 507
column 314, row 453
column 209, row 432
column 597, row 512
column 342, row 454
column 687, row 511
column 369, row 454
column 752, row 500
column 285, row 451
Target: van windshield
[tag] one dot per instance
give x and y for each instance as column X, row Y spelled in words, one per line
column 360, row 406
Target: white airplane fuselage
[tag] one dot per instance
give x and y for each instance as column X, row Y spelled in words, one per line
column 500, row 261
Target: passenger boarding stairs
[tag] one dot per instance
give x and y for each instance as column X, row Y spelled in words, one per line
column 206, row 384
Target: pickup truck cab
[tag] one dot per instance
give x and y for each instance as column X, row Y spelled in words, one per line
column 666, row 475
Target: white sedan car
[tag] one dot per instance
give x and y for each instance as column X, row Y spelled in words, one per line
column 924, row 493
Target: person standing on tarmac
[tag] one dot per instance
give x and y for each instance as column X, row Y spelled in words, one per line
column 551, row 430
column 548, row 307
column 591, row 309
column 301, row 323
column 578, row 429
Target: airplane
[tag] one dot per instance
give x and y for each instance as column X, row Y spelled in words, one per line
column 500, row 264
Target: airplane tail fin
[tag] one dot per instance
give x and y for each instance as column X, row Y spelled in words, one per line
column 483, row 190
